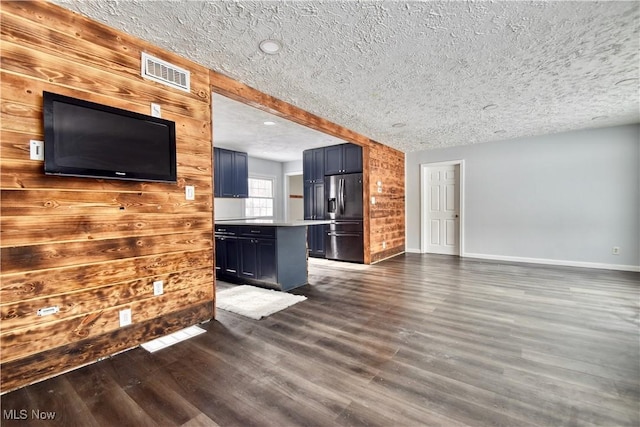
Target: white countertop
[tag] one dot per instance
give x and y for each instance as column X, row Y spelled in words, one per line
column 273, row 222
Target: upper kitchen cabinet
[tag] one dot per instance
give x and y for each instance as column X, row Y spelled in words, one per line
column 231, row 174
column 343, row 158
column 313, row 165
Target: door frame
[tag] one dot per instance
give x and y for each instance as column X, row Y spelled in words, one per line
column 287, row 190
column 424, row 209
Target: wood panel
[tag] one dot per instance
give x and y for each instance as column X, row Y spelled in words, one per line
column 115, row 71
column 94, row 246
column 33, row 339
column 23, row 230
column 23, row 313
column 64, row 203
column 32, row 284
column 64, row 254
column 23, row 98
column 388, row 213
column 72, row 355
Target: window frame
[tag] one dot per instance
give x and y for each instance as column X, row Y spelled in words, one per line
column 272, row 198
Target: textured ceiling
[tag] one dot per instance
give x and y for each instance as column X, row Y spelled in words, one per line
column 445, row 73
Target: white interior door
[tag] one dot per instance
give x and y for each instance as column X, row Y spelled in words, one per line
column 443, row 204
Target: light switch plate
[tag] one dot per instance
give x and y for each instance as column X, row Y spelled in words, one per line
column 190, row 192
column 36, row 150
column 156, row 111
column 373, row 200
column 125, row 317
column 158, row 287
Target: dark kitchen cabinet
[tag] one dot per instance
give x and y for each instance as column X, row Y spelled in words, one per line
column 266, row 260
column 226, row 252
column 352, row 161
column 315, row 240
column 231, row 174
column 314, row 201
column 266, row 256
column 343, row 158
column 314, row 209
column 248, row 259
column 258, row 253
column 313, row 165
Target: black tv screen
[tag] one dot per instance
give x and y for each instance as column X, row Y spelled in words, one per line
column 86, row 139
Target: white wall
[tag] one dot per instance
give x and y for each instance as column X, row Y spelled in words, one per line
column 292, row 168
column 564, row 198
column 258, row 168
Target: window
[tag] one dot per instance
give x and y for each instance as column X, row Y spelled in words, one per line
column 260, row 201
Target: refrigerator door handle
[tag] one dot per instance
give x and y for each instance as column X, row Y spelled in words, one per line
column 341, row 195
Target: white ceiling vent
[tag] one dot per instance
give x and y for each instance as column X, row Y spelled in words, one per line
column 164, row 72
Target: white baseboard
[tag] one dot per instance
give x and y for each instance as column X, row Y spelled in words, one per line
column 547, row 261
column 598, row 265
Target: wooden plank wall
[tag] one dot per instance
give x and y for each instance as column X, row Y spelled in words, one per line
column 93, row 247
column 384, row 221
column 387, row 215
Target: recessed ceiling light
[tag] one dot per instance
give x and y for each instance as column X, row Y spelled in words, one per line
column 398, row 125
column 269, row 123
column 270, row 46
column 490, row 107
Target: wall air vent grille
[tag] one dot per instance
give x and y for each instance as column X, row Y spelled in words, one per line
column 164, row 72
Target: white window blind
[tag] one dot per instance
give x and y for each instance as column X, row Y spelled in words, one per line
column 260, row 201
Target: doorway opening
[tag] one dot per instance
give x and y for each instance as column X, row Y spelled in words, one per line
column 294, row 203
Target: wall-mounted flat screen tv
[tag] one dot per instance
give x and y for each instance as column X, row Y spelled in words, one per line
column 86, row 139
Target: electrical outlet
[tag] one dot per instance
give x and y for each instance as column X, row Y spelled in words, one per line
column 48, row 310
column 384, row 245
column 190, row 192
column 616, row 250
column 125, row 317
column 158, row 287
column 36, row 150
column 373, row 200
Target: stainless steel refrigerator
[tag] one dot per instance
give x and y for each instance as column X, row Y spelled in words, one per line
column 343, row 204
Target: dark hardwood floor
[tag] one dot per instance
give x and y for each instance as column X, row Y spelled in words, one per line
column 417, row 340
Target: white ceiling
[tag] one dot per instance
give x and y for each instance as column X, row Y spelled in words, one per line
column 237, row 126
column 445, row 73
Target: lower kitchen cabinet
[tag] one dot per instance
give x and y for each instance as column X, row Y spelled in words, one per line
column 314, row 209
column 271, row 256
column 258, row 259
column 227, row 254
column 315, row 240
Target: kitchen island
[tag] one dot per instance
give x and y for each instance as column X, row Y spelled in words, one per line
column 263, row 252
